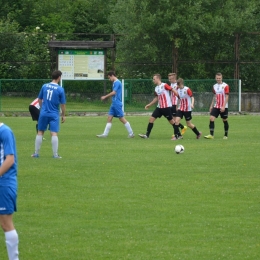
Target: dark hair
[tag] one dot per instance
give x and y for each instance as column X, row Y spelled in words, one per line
column 111, row 73
column 56, row 74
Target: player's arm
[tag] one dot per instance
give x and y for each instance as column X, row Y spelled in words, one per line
column 212, row 102
column 226, row 99
column 40, row 102
column 155, row 100
column 7, row 164
column 166, row 86
column 63, row 110
column 108, row 95
column 189, row 92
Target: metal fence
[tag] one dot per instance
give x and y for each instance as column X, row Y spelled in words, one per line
column 84, row 96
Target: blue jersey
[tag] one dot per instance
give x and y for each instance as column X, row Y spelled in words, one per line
column 117, row 87
column 8, row 147
column 53, row 95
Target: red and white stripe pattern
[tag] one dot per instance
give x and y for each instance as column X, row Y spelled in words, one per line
column 220, row 90
column 36, row 103
column 174, row 97
column 185, row 95
column 163, row 93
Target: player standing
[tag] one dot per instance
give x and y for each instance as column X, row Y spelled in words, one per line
column 54, row 97
column 221, row 95
column 163, row 97
column 173, row 81
column 8, row 189
column 116, row 107
column 186, row 105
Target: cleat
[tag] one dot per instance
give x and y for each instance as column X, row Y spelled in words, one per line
column 101, row 136
column 209, row 136
column 131, row 136
column 180, row 137
column 56, row 157
column 225, row 137
column 35, row 155
column 44, row 139
column 199, row 135
column 184, row 130
column 143, row 136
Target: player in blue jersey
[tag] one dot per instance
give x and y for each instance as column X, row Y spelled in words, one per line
column 54, row 98
column 116, row 106
column 8, row 189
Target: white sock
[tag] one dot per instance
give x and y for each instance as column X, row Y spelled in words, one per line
column 55, row 144
column 107, row 128
column 38, row 143
column 11, row 240
column 128, row 128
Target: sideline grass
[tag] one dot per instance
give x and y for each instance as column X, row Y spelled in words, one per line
column 120, row 198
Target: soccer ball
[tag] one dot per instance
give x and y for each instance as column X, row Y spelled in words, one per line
column 179, row 149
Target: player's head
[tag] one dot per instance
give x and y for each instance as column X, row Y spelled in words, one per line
column 111, row 75
column 218, row 78
column 180, row 83
column 157, row 79
column 172, row 77
column 56, row 75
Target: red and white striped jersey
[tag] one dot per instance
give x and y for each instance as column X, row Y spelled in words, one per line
column 185, row 95
column 174, row 97
column 36, row 103
column 220, row 90
column 163, row 93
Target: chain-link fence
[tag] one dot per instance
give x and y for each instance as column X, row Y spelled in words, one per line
column 84, row 96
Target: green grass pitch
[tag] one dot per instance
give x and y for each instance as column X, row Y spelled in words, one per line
column 135, row 199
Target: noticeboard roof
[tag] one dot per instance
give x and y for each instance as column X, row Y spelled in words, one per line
column 82, row 44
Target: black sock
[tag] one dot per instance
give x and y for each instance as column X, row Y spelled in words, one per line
column 149, row 129
column 36, row 128
column 181, row 126
column 226, row 127
column 195, row 130
column 211, row 127
column 176, row 131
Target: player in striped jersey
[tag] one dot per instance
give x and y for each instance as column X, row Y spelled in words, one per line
column 173, row 81
column 221, row 94
column 163, row 97
column 186, row 105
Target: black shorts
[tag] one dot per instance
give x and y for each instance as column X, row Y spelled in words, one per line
column 216, row 112
column 186, row 114
column 35, row 112
column 166, row 112
column 173, row 109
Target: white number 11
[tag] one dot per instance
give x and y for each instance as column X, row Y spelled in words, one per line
column 49, row 94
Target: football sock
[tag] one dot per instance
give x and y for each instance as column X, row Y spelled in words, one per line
column 36, row 128
column 211, row 127
column 107, row 128
column 195, row 130
column 11, row 240
column 55, row 144
column 128, row 128
column 226, row 127
column 38, row 143
column 149, row 129
column 181, row 126
column 176, row 130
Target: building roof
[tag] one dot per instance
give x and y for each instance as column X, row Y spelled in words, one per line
column 82, row 44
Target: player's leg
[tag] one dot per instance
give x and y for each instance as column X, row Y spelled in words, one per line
column 188, row 118
column 111, row 114
column 177, row 134
column 42, row 125
column 7, row 207
column 54, row 129
column 224, row 117
column 155, row 114
column 181, row 126
column 127, row 126
column 213, row 115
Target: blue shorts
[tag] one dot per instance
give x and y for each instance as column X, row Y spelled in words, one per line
column 52, row 121
column 116, row 110
column 8, row 198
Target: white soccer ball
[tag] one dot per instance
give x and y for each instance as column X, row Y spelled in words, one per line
column 179, row 148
